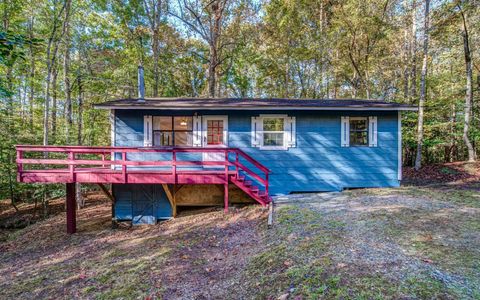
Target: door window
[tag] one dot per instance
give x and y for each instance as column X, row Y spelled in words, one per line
column 215, row 132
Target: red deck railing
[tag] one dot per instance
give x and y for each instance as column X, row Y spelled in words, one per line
column 67, row 164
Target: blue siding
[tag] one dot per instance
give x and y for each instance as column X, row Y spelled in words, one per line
column 317, row 163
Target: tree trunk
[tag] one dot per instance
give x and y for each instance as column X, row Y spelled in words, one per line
column 452, row 133
column 212, row 76
column 469, row 87
column 78, row 195
column 154, row 14
column 156, row 75
column 406, row 55
column 423, row 88
column 68, row 87
column 52, row 48
column 287, row 78
column 11, row 181
column 54, row 104
column 46, row 108
column 31, row 80
column 217, row 9
column 413, row 54
column 157, row 43
column 80, row 110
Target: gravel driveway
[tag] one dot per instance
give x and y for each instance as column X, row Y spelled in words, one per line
column 417, row 243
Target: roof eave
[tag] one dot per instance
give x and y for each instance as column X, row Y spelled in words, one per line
column 357, row 108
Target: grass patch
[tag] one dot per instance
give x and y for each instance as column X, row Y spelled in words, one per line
column 450, row 257
column 466, row 197
column 427, row 287
column 297, row 260
column 123, row 274
column 446, row 170
column 127, row 290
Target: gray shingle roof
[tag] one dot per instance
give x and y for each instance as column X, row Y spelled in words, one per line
column 253, row 104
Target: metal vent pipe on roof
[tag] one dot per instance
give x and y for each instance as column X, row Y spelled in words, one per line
column 141, row 85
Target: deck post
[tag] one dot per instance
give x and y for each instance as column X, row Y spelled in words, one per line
column 236, row 165
column 19, row 165
column 225, row 185
column 266, row 185
column 174, row 166
column 225, row 199
column 124, row 166
column 71, row 208
column 71, row 167
column 174, row 211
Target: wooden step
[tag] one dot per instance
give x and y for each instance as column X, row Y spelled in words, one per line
column 248, row 183
column 241, row 178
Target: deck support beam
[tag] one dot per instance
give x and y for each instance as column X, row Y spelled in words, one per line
column 71, row 208
column 171, row 198
column 106, row 192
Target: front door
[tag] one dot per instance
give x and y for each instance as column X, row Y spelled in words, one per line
column 214, row 135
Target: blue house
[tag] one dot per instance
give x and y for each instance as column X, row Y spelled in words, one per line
column 302, row 145
column 175, row 152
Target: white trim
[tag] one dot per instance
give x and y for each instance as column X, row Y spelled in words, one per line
column 147, row 131
column 274, row 147
column 112, row 136
column 112, row 128
column 284, row 108
column 197, row 131
column 224, row 118
column 399, row 128
column 214, row 156
column 261, row 132
column 345, row 131
column 255, row 132
column 273, row 115
column 372, row 131
column 291, row 131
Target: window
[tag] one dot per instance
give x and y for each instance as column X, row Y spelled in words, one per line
column 214, row 132
column 172, row 131
column 273, row 132
column 358, row 132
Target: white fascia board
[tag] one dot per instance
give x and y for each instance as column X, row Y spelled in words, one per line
column 264, row 108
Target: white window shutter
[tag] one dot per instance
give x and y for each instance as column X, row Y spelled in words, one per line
column 345, row 135
column 372, row 131
column 147, row 131
column 256, row 131
column 290, row 132
column 197, row 131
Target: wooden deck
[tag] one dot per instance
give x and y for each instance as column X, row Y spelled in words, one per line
column 114, row 165
column 128, row 165
column 107, row 175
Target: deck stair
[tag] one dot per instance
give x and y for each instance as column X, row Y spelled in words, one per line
column 252, row 190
